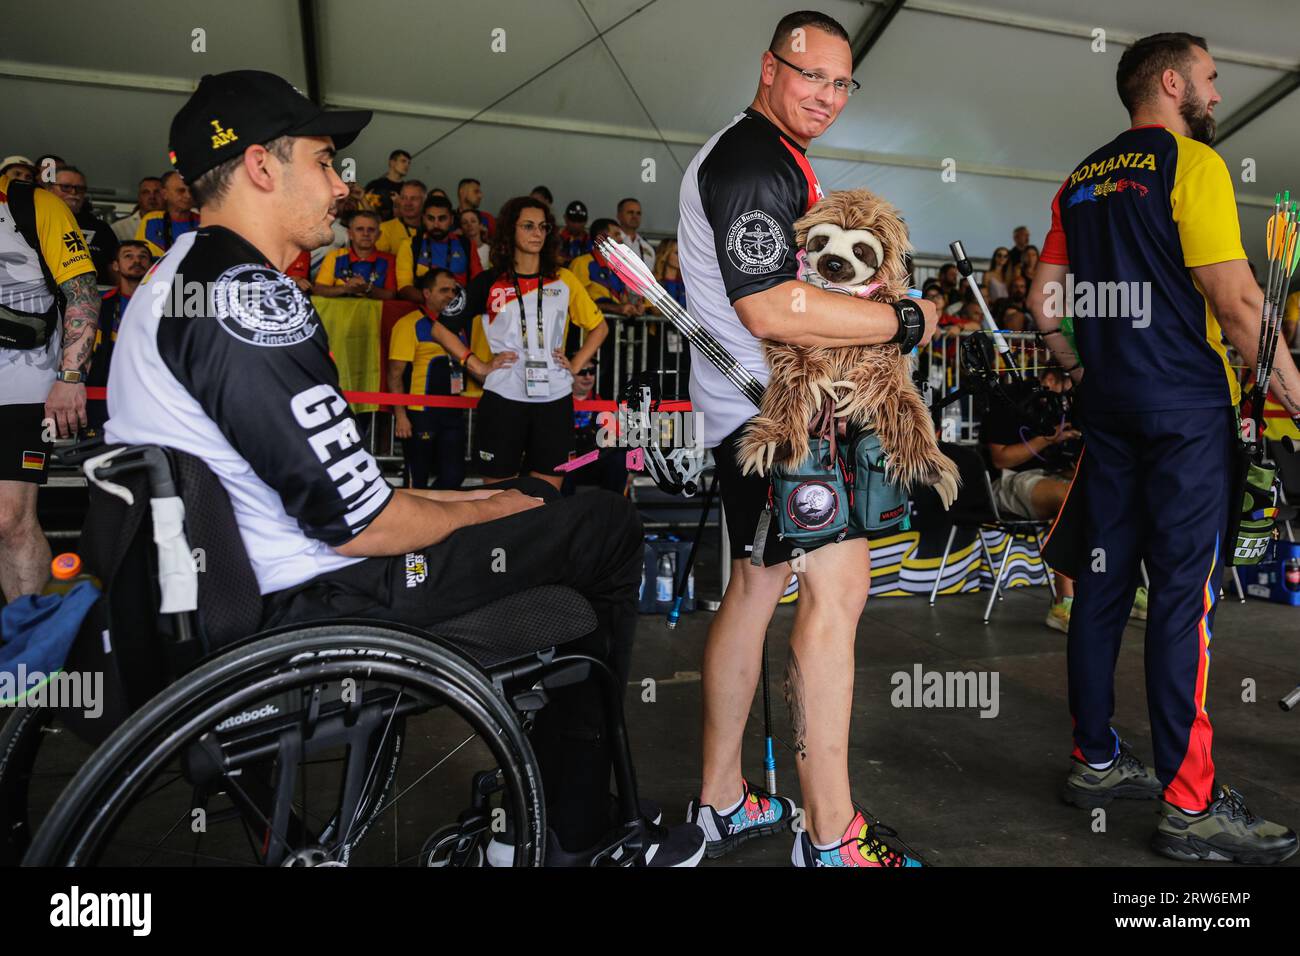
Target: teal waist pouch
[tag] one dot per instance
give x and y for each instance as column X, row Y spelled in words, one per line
column 811, row 501
column 877, row 502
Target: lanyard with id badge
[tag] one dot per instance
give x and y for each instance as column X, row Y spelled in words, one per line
column 537, row 376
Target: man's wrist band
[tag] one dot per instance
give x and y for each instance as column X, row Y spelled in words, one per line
column 911, row 325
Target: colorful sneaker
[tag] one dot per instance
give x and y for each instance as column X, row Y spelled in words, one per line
column 1127, row 777
column 759, row 814
column 791, row 591
column 1227, row 831
column 1139, row 612
column 861, row 846
column 1058, row 615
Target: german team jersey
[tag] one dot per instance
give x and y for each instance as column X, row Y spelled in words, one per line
column 160, row 230
column 490, row 311
column 412, row 341
column 602, row 282
column 393, row 234
column 247, row 384
column 27, row 374
column 340, row 264
column 421, row 254
column 739, row 199
column 1130, row 223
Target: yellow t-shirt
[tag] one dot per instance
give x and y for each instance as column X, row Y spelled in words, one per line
column 393, row 234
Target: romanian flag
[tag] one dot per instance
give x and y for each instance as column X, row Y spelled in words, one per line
column 34, row 460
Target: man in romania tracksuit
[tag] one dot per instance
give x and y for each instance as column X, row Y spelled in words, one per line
column 1145, row 253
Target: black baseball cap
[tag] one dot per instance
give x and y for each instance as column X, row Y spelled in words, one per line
column 229, row 112
column 575, row 210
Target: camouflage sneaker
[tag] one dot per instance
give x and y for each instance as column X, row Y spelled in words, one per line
column 1227, row 832
column 1127, row 778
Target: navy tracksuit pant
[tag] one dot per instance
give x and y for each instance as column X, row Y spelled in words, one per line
column 436, row 447
column 1155, row 487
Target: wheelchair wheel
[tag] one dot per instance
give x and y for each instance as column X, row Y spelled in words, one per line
column 31, row 778
column 288, row 750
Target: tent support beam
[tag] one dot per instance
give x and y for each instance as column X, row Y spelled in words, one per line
column 873, row 29
column 307, row 24
column 1257, row 106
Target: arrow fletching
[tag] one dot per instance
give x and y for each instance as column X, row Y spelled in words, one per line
column 627, row 265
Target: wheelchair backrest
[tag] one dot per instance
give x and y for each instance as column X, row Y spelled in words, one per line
column 125, row 638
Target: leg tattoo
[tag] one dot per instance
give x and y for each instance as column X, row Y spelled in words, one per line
column 794, row 700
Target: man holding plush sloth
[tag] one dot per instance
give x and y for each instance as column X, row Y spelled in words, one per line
column 739, row 200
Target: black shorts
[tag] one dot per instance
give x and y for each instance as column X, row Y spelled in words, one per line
column 24, row 452
column 744, row 499
column 515, row 438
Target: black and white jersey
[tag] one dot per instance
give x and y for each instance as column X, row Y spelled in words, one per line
column 739, row 200
column 220, row 355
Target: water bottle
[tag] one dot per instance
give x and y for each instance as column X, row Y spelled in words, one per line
column 1292, row 577
column 66, row 573
column 664, row 580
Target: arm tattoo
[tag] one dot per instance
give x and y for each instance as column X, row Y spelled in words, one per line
column 794, row 700
column 80, row 316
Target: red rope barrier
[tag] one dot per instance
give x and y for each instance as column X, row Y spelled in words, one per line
column 452, row 401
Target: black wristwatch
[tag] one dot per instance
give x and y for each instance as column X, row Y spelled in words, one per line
column 911, row 324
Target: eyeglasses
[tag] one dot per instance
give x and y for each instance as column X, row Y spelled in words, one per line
column 589, row 370
column 542, row 227
column 842, row 87
column 75, row 190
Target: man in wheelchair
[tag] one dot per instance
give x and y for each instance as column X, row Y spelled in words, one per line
column 242, row 378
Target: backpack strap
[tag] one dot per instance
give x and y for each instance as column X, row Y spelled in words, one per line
column 22, row 205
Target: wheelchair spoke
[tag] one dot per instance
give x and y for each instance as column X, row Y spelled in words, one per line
column 163, row 839
column 207, row 857
column 160, row 787
column 246, row 802
column 405, row 790
column 370, row 774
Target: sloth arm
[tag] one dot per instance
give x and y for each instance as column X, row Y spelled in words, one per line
column 797, row 313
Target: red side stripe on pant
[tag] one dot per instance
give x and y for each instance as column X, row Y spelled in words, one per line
column 1192, row 784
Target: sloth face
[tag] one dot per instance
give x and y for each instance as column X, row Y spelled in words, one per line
column 847, row 257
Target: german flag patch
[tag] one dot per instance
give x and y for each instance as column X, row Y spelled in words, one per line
column 35, row 460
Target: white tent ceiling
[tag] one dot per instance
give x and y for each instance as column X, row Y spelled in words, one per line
column 1009, row 89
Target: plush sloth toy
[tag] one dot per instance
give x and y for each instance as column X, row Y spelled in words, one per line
column 852, row 242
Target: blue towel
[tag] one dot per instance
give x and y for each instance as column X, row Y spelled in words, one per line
column 36, row 633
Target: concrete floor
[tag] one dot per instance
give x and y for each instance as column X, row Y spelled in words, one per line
column 960, row 789
column 970, row 791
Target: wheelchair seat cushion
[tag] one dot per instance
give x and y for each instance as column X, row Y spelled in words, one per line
column 519, row 624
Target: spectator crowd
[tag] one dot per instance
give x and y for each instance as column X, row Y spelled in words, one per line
column 396, row 239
